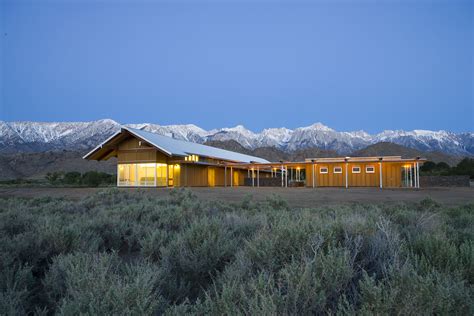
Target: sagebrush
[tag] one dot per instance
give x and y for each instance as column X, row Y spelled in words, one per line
column 129, row 253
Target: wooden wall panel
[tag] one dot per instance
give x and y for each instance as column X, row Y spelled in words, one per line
column 363, row 179
column 194, row 175
column 148, row 155
column 330, row 179
column 392, row 175
column 130, row 150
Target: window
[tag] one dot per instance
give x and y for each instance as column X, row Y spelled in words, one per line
column 192, row 158
column 369, row 169
column 141, row 174
column 146, row 174
column 337, row 169
column 127, row 174
column 161, row 174
column 355, row 169
column 323, row 170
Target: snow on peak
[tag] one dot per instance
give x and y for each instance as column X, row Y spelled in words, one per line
column 63, row 135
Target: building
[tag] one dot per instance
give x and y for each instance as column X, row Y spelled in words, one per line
column 147, row 159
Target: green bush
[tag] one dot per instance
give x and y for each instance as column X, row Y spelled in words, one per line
column 121, row 252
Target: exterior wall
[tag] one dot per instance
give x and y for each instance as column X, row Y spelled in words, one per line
column 364, row 179
column 391, row 175
column 130, row 151
column 194, row 175
column 444, row 181
column 330, row 179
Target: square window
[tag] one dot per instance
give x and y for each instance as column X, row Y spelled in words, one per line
column 355, row 169
column 369, row 169
column 337, row 169
column 323, row 170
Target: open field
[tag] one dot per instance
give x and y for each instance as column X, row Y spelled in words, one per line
column 180, row 252
column 296, row 197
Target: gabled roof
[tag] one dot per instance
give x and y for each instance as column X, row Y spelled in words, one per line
column 175, row 147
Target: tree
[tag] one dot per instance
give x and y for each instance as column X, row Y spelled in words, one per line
column 428, row 166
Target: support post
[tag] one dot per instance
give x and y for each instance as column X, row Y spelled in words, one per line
column 410, row 176
column 286, row 177
column 282, row 176
column 253, row 177
column 225, row 176
column 347, row 174
column 231, row 177
column 258, row 177
column 312, row 168
column 418, row 173
column 380, row 174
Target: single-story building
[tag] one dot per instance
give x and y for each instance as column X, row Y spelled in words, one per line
column 146, row 159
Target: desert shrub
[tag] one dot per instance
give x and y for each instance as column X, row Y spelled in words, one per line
column 102, row 284
column 121, row 252
column 194, row 255
column 406, row 292
column 72, row 177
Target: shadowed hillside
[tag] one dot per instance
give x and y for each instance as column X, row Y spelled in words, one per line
column 391, row 149
column 37, row 165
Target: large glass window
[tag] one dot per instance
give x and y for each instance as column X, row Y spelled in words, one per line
column 161, row 174
column 142, row 174
column 127, row 175
column 146, row 174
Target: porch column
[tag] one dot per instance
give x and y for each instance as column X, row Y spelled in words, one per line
column 253, row 177
column 282, row 176
column 410, row 176
column 258, row 177
column 347, row 174
column 380, row 173
column 231, row 177
column 225, row 176
column 155, row 173
column 167, row 176
column 312, row 169
column 418, row 173
column 286, row 176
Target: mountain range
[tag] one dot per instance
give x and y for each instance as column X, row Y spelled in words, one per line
column 24, row 137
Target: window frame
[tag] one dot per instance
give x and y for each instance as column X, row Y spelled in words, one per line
column 337, row 172
column 370, row 166
column 321, row 168
column 356, row 172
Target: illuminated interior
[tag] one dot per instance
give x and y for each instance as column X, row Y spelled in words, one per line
column 142, row 174
column 192, row 158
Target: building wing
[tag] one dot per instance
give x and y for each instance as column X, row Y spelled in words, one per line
column 175, row 147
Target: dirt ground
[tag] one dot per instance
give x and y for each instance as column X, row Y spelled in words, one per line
column 296, row 197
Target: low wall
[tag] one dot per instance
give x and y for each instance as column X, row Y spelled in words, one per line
column 264, row 182
column 444, row 181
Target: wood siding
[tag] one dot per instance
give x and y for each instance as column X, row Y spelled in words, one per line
column 391, row 175
column 194, row 175
column 130, row 151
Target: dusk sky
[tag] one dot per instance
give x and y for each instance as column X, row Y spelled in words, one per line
column 352, row 65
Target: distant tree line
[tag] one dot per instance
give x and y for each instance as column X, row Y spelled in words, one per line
column 89, row 178
column 464, row 167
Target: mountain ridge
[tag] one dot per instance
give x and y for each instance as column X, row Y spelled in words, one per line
column 29, row 136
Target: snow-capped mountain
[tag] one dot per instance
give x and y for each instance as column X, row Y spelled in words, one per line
column 40, row 136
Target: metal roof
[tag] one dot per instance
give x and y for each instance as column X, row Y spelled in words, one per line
column 175, row 147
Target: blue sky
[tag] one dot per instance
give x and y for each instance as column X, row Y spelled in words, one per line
column 370, row 65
